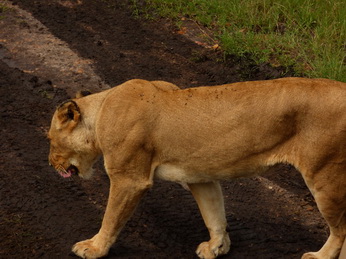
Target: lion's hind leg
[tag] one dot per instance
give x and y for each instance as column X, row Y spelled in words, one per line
column 210, row 202
column 343, row 251
column 329, row 190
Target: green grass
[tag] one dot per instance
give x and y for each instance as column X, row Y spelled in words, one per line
column 308, row 35
column 3, row 10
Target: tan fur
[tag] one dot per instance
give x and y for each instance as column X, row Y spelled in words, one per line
column 343, row 251
column 147, row 130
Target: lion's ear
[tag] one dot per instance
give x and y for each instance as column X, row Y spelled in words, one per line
column 81, row 94
column 68, row 114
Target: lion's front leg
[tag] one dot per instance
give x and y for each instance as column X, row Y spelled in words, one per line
column 210, row 202
column 124, row 195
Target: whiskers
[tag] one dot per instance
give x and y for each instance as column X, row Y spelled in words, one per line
column 62, row 171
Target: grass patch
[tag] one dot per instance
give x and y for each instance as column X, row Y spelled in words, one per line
column 308, row 35
column 3, row 10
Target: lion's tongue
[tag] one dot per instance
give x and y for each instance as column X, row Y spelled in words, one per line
column 72, row 170
column 66, row 175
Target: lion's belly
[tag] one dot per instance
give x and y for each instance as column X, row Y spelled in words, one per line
column 176, row 174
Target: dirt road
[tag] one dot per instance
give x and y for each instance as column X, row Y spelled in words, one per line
column 51, row 48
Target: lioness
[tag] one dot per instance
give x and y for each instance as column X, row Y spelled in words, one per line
column 147, row 130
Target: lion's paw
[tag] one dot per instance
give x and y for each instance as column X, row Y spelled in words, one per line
column 310, row 256
column 213, row 248
column 87, row 249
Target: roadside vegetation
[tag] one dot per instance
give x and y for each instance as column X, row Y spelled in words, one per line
column 306, row 35
column 2, row 10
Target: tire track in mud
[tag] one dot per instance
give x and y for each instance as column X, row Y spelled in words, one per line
column 27, row 44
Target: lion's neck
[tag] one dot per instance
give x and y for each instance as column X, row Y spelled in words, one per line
column 89, row 107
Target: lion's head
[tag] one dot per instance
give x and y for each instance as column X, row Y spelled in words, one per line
column 72, row 142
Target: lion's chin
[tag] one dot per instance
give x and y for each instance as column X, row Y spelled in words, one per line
column 86, row 175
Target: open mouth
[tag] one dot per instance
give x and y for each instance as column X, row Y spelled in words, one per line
column 66, row 173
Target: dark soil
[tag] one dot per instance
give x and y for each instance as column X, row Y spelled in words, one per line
column 43, row 215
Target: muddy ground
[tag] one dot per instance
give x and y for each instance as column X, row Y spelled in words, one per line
column 50, row 48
